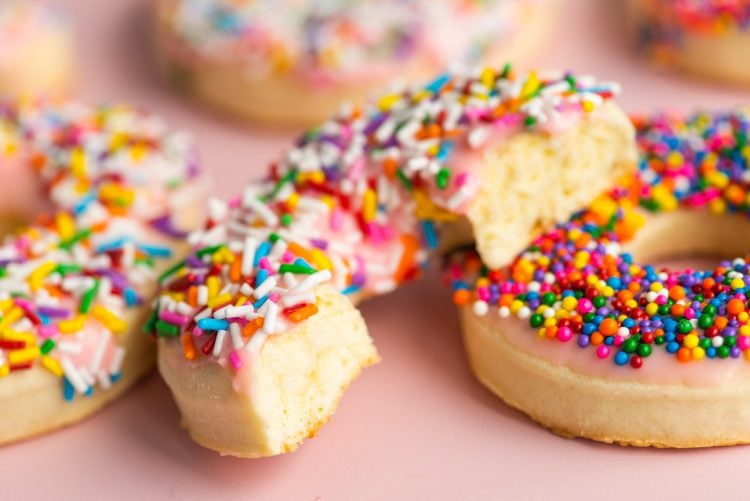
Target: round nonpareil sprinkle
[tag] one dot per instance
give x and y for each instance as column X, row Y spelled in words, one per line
column 575, row 283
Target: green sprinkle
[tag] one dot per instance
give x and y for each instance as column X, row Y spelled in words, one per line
column 506, row 70
column 171, row 271
column 405, row 181
column 64, row 269
column 88, row 298
column 166, row 329
column 273, row 238
column 529, row 121
column 287, row 177
column 80, row 235
column 442, row 178
column 47, row 346
column 147, row 260
column 296, row 268
column 150, row 326
column 208, row 250
column 286, row 219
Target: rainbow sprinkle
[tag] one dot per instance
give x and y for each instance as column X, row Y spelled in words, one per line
column 664, row 24
column 356, row 202
column 576, row 284
column 323, row 41
column 67, row 280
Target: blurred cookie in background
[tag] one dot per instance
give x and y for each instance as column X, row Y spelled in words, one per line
column 295, row 62
column 36, row 49
column 710, row 38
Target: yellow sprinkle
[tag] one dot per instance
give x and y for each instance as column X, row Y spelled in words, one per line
column 369, row 205
column 219, row 300
column 240, row 300
column 212, row 284
column 138, row 152
column 66, row 227
column 691, row 341
column 321, row 260
column 117, row 140
column 587, row 106
column 52, row 365
column 5, row 305
column 17, row 357
column 78, row 163
column 11, row 335
column 36, row 276
column 223, row 255
column 387, row 101
column 292, row 200
column 72, row 325
column 108, row 319
column 11, row 317
column 5, row 370
column 426, row 209
column 698, row 353
column 487, row 77
column 531, row 85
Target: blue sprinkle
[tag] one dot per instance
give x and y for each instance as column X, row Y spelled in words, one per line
column 301, row 262
column 430, row 234
column 261, row 277
column 155, row 250
column 89, row 391
column 213, row 324
column 351, row 290
column 131, row 298
column 81, row 206
column 261, row 252
column 114, row 244
column 438, row 83
column 260, row 302
column 68, row 391
column 115, row 377
column 621, row 358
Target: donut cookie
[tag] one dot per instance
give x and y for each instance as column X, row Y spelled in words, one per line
column 75, row 284
column 584, row 336
column 36, row 49
column 257, row 337
column 710, row 38
column 296, row 65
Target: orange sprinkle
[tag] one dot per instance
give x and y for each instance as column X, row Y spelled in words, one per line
column 300, row 251
column 252, row 326
column 735, row 306
column 192, row 296
column 303, row 313
column 683, row 354
column 407, row 257
column 608, row 327
column 461, row 297
column 235, row 270
column 188, row 347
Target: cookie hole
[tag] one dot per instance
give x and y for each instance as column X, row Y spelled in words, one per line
column 694, row 239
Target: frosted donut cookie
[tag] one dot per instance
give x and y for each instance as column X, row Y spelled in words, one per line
column 36, row 49
column 590, row 341
column 257, row 337
column 710, row 38
column 295, row 65
column 75, row 284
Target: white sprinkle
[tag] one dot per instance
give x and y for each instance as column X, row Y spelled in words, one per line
column 311, row 281
column 219, row 342
column 117, row 357
column 264, row 288
column 235, row 334
column 73, row 376
column 202, row 295
column 98, row 355
column 269, row 320
column 248, row 255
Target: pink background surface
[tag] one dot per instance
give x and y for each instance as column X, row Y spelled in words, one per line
column 415, row 426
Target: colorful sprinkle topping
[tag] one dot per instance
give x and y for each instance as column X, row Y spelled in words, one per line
column 576, row 284
column 356, row 201
column 664, row 24
column 334, row 39
column 114, row 176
